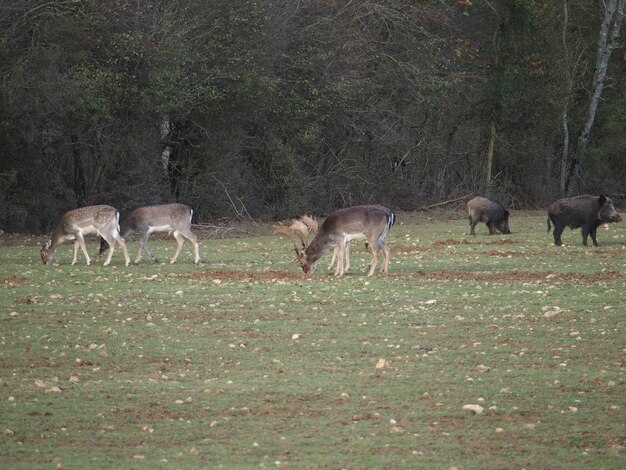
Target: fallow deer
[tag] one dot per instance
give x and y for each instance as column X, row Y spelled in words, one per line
column 75, row 224
column 174, row 219
column 313, row 227
column 370, row 223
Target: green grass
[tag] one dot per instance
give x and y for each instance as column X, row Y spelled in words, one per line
column 190, row 366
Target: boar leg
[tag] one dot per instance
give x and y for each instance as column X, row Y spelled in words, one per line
column 472, row 223
column 492, row 229
column 585, row 231
column 592, row 232
column 558, row 230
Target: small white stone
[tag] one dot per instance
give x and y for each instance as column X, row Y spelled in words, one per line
column 475, row 409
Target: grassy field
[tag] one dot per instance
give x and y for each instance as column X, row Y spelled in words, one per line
column 243, row 361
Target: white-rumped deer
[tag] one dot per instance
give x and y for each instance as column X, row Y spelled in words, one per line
column 301, row 228
column 370, row 223
column 75, row 224
column 174, row 219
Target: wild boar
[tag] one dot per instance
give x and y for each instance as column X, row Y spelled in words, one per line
column 490, row 212
column 587, row 212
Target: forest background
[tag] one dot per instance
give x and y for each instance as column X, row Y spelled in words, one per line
column 268, row 109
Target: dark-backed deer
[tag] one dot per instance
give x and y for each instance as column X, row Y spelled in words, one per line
column 371, row 223
column 75, row 224
column 171, row 218
column 300, row 229
column 313, row 227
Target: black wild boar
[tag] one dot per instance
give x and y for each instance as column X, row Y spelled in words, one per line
column 583, row 211
column 492, row 213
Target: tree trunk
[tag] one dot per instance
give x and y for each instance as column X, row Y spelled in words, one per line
column 80, row 186
column 166, row 131
column 608, row 40
column 564, row 154
column 566, row 101
column 489, row 162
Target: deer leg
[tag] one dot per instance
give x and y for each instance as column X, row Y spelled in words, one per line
column 333, row 259
column 143, row 246
column 374, row 247
column 189, row 235
column 111, row 241
column 347, row 256
column 118, row 238
column 386, row 253
column 340, row 258
column 76, row 245
column 143, row 241
column 81, row 241
column 104, row 246
column 181, row 241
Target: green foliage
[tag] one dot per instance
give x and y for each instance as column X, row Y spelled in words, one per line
column 292, row 106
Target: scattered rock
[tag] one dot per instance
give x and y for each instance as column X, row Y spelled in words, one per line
column 475, row 409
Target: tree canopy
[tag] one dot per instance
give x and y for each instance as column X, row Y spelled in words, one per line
column 269, row 109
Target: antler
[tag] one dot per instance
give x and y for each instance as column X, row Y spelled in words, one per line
column 301, row 230
column 311, row 223
column 281, row 229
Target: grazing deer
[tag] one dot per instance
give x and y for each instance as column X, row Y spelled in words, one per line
column 75, row 224
column 175, row 219
column 311, row 225
column 371, row 223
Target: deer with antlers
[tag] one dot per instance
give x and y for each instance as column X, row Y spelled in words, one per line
column 370, row 223
column 75, row 224
column 300, row 228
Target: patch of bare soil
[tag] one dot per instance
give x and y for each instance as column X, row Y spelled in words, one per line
column 449, row 242
column 507, row 254
column 439, row 244
column 395, row 249
column 512, row 276
column 13, row 281
column 149, row 411
column 443, row 275
column 609, row 253
column 264, row 276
